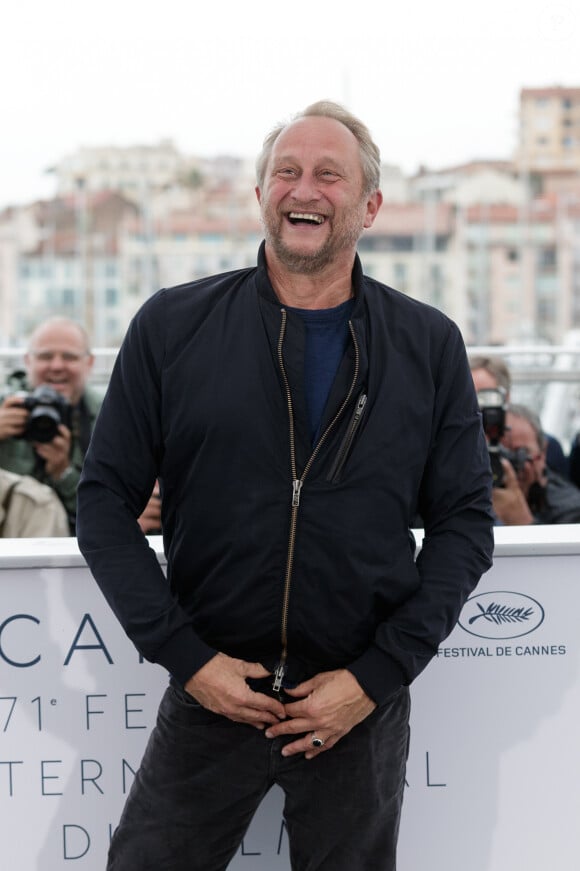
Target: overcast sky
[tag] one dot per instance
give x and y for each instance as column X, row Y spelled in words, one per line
column 437, row 82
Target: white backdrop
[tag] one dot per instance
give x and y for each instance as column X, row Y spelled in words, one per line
column 493, row 780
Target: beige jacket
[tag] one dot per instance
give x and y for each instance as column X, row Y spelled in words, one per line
column 29, row 509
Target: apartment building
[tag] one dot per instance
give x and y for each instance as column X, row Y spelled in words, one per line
column 66, row 262
column 411, row 247
column 497, row 248
column 131, row 170
column 504, row 272
column 549, row 129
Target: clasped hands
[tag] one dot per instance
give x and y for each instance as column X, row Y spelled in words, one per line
column 330, row 703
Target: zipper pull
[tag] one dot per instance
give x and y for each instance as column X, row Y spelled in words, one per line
column 362, row 401
column 278, row 678
column 296, row 488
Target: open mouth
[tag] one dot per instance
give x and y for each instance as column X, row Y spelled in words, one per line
column 306, row 218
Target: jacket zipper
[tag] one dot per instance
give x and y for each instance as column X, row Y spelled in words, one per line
column 297, row 484
column 343, row 451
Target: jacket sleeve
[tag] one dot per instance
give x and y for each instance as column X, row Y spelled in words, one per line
column 454, row 502
column 122, row 463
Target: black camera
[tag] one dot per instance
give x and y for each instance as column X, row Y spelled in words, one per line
column 48, row 409
column 518, row 457
column 493, row 407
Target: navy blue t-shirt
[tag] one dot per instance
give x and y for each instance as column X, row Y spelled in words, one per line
column 326, row 335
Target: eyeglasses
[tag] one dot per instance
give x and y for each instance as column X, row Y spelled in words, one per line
column 65, row 356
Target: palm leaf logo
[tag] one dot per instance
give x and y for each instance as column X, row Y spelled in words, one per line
column 500, row 614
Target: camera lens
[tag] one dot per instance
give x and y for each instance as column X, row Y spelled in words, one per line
column 42, row 424
column 48, row 409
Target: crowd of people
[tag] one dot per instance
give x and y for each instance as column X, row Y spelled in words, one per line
column 48, row 410
column 538, row 481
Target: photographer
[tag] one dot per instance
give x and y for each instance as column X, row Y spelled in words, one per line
column 529, row 491
column 48, row 412
column 491, row 373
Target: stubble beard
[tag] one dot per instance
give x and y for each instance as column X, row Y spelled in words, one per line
column 308, row 262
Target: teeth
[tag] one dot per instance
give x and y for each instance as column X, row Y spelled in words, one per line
column 306, row 216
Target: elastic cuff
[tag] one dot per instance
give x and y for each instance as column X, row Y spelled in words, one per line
column 378, row 674
column 183, row 654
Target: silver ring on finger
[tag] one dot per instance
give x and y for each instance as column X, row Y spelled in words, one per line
column 316, row 741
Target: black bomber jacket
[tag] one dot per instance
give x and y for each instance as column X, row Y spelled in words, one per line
column 295, row 557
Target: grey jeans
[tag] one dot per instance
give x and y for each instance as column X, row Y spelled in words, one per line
column 203, row 776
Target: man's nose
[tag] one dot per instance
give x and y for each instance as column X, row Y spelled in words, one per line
column 306, row 188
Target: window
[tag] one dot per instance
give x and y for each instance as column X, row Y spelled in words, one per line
column 546, row 310
column 547, row 258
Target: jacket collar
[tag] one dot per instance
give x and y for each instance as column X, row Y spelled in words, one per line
column 266, row 290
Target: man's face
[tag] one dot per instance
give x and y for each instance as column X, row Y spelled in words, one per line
column 483, row 380
column 312, row 201
column 520, row 435
column 58, row 356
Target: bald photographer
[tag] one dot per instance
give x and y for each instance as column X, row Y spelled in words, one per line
column 48, row 412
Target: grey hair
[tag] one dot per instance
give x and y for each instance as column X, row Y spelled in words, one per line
column 496, row 367
column 369, row 152
column 525, row 413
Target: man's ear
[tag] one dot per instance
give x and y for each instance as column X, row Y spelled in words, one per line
column 374, row 203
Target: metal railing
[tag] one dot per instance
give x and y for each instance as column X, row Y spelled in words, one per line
column 544, row 377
